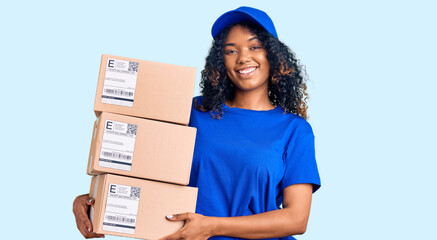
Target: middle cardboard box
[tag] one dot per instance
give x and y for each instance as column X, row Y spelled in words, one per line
column 142, row 148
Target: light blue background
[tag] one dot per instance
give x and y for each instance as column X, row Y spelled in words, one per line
column 372, row 66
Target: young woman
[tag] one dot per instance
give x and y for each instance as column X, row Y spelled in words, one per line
column 254, row 159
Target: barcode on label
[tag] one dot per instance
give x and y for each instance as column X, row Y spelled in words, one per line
column 120, row 219
column 119, row 92
column 117, row 155
column 133, row 66
column 131, row 129
column 135, row 192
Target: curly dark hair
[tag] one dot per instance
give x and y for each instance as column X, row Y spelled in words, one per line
column 287, row 77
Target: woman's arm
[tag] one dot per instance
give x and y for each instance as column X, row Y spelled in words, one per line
column 290, row 220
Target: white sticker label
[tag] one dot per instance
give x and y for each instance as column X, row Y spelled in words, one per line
column 120, row 81
column 121, row 209
column 118, row 145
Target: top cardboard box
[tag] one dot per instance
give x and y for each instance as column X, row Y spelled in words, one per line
column 145, row 89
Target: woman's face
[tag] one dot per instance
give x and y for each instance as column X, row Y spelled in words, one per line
column 246, row 60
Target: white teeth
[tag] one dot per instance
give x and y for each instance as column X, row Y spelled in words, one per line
column 246, row 71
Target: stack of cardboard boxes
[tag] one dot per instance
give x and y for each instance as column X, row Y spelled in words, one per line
column 141, row 148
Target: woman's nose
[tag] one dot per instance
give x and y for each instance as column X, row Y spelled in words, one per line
column 244, row 56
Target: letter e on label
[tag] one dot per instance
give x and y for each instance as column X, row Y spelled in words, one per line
column 109, row 125
column 111, row 63
column 112, row 188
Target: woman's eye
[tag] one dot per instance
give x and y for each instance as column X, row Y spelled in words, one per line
column 230, row 51
column 256, row 47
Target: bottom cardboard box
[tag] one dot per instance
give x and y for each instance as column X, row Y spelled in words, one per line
column 132, row 207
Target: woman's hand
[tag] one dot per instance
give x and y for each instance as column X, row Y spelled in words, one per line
column 196, row 227
column 80, row 210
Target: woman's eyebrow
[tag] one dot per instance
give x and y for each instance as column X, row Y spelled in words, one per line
column 233, row 44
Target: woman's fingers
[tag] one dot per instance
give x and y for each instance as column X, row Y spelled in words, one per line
column 89, row 201
column 84, row 231
column 87, row 230
column 179, row 217
column 88, row 225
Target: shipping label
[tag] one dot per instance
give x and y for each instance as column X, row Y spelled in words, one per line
column 120, row 82
column 118, row 145
column 121, row 209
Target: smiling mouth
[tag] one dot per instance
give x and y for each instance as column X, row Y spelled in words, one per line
column 246, row 71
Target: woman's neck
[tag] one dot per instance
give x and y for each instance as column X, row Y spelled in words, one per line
column 250, row 101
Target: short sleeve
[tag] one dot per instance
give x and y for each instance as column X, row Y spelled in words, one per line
column 300, row 161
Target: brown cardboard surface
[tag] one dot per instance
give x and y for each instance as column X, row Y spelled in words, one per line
column 162, row 151
column 156, row 201
column 162, row 92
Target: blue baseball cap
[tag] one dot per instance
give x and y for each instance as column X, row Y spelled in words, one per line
column 244, row 14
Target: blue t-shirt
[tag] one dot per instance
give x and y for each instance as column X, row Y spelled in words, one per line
column 243, row 161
